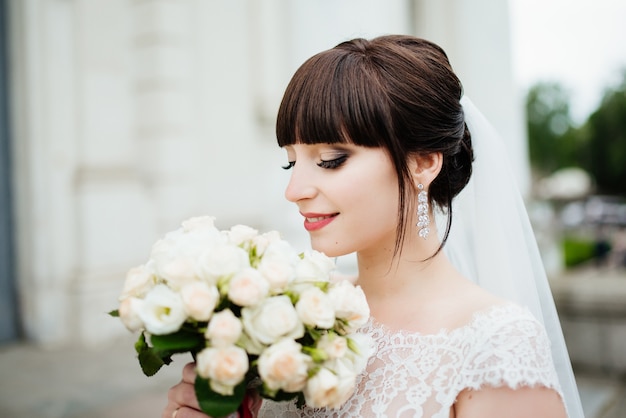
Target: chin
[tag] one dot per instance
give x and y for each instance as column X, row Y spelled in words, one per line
column 330, row 250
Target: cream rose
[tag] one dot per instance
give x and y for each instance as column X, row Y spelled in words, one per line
column 129, row 313
column 263, row 241
column 278, row 265
column 200, row 299
column 361, row 349
column 240, row 234
column 350, row 304
column 222, row 261
column 225, row 367
column 224, row 329
column 284, row 366
column 178, row 271
column 271, row 320
column 329, row 388
column 162, row 311
column 139, row 280
column 315, row 308
column 335, row 346
column 248, row 288
column 314, row 266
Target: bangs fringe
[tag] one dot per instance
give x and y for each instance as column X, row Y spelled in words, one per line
column 335, row 97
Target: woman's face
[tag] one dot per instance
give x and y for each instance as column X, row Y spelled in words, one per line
column 347, row 194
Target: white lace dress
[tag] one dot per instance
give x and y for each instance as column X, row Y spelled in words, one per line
column 414, row 375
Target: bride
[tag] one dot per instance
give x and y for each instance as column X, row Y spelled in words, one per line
column 379, row 140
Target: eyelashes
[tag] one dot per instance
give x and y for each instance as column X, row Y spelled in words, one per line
column 334, row 163
column 328, row 164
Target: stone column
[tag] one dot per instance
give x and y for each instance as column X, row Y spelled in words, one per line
column 44, row 142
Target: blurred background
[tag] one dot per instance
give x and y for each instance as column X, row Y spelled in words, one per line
column 121, row 118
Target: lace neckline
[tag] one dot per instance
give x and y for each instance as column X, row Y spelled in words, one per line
column 373, row 324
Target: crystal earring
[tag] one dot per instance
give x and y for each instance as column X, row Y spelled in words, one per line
column 422, row 212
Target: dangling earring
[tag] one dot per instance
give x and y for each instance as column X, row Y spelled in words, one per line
column 422, row 212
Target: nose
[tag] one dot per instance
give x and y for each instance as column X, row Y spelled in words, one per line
column 301, row 185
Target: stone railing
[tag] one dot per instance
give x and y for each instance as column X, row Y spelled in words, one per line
column 592, row 307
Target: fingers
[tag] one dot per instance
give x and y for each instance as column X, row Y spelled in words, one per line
column 189, row 373
column 183, row 394
column 185, row 412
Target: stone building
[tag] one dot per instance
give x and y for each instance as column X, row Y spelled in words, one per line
column 120, row 118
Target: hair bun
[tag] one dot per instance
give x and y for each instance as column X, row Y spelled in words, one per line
column 460, row 169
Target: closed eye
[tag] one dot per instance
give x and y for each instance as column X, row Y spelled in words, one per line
column 334, row 163
column 289, row 165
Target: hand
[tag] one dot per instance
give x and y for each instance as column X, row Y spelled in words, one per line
column 182, row 401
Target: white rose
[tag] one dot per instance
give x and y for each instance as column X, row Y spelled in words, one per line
column 271, row 320
column 361, row 349
column 162, row 311
column 350, row 304
column 263, row 241
column 176, row 255
column 222, row 261
column 178, row 271
column 329, row 388
column 139, row 280
column 335, row 346
column 278, row 265
column 240, row 234
column 224, row 329
column 198, row 223
column 248, row 288
column 315, row 308
column 225, row 367
column 314, row 266
column 200, row 299
column 129, row 313
column 284, row 366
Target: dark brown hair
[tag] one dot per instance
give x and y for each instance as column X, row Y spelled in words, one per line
column 395, row 92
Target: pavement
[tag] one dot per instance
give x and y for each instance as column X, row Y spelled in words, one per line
column 82, row 382
column 79, row 382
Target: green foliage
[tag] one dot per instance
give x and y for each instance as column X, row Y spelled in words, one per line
column 598, row 146
column 553, row 143
column 150, row 360
column 215, row 404
column 577, row 250
column 605, row 132
column 153, row 357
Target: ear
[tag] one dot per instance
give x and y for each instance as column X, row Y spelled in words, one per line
column 425, row 168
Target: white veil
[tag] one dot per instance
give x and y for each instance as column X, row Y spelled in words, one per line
column 492, row 242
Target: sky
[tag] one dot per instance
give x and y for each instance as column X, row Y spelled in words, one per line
column 578, row 43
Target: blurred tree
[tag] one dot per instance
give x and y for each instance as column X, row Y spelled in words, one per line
column 553, row 140
column 605, row 134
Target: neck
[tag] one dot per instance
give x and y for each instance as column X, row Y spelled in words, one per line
column 383, row 275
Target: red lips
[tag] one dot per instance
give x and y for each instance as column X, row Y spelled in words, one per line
column 316, row 221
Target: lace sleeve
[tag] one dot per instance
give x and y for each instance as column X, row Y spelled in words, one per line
column 513, row 351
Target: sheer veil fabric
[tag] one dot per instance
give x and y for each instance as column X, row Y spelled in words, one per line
column 492, row 242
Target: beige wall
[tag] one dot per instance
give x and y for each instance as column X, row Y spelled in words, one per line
column 131, row 115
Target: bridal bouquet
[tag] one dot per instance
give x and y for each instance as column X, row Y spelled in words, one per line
column 251, row 311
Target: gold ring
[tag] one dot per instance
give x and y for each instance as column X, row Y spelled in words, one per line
column 175, row 412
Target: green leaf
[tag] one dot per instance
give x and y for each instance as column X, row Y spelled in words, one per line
column 115, row 313
column 150, row 360
column 215, row 404
column 179, row 342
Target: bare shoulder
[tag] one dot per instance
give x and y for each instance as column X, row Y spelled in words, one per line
column 468, row 299
column 536, row 402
